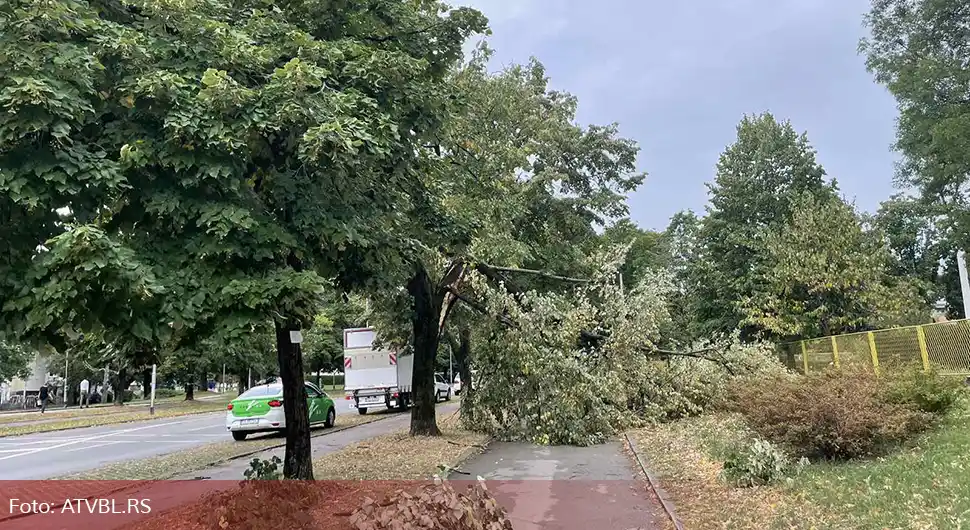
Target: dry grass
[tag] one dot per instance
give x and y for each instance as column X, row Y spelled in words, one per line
column 681, row 454
column 399, row 456
column 201, row 457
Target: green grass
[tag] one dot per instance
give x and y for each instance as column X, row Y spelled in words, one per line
column 925, row 485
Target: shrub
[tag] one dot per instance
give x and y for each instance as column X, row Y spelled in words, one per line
column 166, row 393
column 928, row 391
column 758, row 464
column 264, row 469
column 834, row 414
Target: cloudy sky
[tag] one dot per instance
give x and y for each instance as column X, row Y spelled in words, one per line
column 678, row 76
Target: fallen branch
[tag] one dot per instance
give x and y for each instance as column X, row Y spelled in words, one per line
column 477, row 306
column 539, row 273
column 697, row 354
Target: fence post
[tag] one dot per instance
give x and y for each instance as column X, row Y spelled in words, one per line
column 835, row 351
column 872, row 350
column 922, row 348
column 804, row 359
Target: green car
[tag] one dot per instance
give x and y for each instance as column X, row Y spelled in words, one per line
column 260, row 409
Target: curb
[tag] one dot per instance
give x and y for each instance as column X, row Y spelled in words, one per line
column 668, row 506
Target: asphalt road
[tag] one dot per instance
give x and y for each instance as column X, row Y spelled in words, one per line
column 53, row 454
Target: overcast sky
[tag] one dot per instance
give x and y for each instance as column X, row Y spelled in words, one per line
column 678, row 76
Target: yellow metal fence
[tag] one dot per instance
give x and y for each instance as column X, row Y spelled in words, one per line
column 944, row 346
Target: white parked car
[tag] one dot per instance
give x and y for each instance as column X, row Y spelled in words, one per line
column 442, row 389
column 457, row 384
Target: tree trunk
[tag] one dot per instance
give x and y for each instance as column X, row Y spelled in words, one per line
column 189, row 392
column 241, row 382
column 465, row 361
column 203, row 381
column 121, row 384
column 146, row 383
column 297, row 463
column 425, row 323
column 462, row 350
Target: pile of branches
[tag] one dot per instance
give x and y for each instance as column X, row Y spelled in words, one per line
column 437, row 506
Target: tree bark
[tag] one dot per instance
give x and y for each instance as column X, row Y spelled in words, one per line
column 465, row 371
column 121, row 385
column 241, row 382
column 146, row 383
column 297, row 463
column 189, row 392
column 425, row 321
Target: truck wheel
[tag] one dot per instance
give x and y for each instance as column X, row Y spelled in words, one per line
column 362, row 411
column 238, row 435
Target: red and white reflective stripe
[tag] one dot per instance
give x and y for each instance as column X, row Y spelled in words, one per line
column 346, row 362
column 393, row 358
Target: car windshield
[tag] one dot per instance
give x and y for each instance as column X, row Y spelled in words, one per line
column 262, row 391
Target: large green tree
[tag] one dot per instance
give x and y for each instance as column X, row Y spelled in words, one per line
column 520, row 186
column 918, row 49
column 221, row 161
column 826, row 274
column 758, row 178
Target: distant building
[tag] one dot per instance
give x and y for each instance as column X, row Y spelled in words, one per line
column 38, row 376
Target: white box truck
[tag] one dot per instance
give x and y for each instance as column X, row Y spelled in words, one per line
column 375, row 378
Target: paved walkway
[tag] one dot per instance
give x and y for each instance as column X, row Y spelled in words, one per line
column 567, row 488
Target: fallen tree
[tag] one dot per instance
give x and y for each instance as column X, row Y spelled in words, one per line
column 576, row 365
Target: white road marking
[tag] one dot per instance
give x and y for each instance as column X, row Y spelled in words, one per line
column 93, row 446
column 89, row 438
column 13, row 450
column 206, row 427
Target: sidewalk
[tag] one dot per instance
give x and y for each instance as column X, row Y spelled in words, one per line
column 567, row 488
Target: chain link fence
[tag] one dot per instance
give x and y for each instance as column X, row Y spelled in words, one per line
column 944, row 346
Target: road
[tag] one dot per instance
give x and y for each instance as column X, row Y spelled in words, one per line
column 53, row 454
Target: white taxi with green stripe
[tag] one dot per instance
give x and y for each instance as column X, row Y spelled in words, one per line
column 260, row 409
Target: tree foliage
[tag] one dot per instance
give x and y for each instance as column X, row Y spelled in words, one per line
column 575, row 366
column 758, row 179
column 826, row 275
column 221, row 163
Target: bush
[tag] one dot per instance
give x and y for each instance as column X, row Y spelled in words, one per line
column 928, row 391
column 166, row 393
column 833, row 414
column 759, row 464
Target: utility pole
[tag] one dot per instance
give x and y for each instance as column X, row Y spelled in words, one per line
column 67, row 355
column 223, row 377
column 151, row 406
column 964, row 283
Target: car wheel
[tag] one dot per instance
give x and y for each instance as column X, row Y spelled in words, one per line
column 238, row 435
column 448, row 395
column 331, row 418
column 361, row 411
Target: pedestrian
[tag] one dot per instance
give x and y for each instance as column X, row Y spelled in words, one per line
column 85, row 389
column 44, row 394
